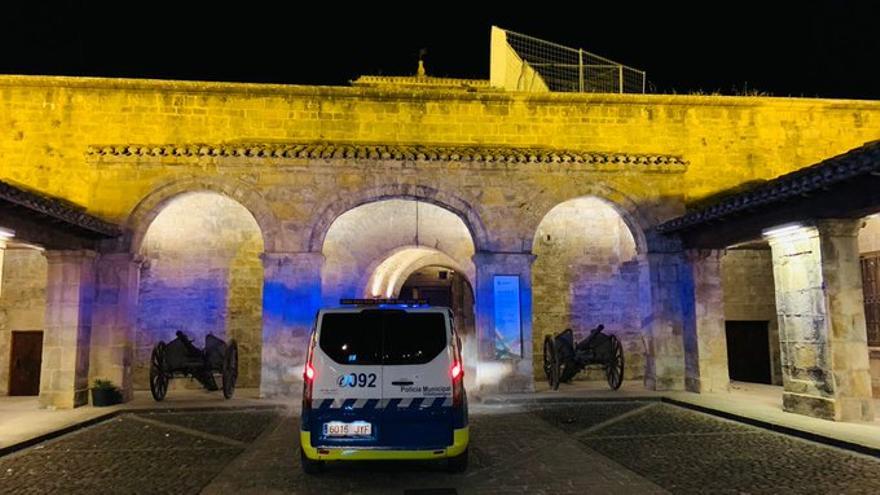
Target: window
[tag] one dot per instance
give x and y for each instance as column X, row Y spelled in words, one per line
column 352, row 338
column 357, row 338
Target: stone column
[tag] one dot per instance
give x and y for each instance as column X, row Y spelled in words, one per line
column 705, row 341
column 663, row 308
column 114, row 319
column 508, row 375
column 291, row 298
column 821, row 320
column 70, row 293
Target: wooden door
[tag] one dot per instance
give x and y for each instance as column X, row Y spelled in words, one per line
column 748, row 351
column 871, row 291
column 25, row 363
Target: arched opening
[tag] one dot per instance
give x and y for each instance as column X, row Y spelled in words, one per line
column 201, row 274
column 403, row 248
column 587, row 272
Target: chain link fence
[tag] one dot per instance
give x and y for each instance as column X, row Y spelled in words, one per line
column 565, row 69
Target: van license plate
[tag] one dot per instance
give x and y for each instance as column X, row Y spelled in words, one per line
column 353, row 429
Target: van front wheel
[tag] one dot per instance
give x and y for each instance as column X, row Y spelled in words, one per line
column 457, row 464
column 310, row 466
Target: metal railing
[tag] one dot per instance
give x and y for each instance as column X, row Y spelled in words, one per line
column 574, row 70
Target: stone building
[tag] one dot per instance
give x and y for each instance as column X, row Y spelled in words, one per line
column 135, row 208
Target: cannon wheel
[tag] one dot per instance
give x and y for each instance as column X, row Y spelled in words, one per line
column 548, row 344
column 158, row 376
column 551, row 363
column 614, row 367
column 230, row 369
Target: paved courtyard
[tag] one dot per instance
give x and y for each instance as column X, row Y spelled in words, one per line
column 596, row 447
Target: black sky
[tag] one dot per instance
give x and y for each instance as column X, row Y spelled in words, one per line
column 828, row 49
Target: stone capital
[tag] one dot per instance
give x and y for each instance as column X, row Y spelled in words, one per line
column 511, row 259
column 277, row 258
column 5, row 235
column 662, row 243
column 697, row 255
column 839, row 227
column 70, row 256
column 121, row 258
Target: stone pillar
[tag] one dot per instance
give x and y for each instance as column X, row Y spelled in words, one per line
column 507, row 375
column 291, row 298
column 705, row 341
column 114, row 319
column 663, row 310
column 821, row 320
column 70, row 293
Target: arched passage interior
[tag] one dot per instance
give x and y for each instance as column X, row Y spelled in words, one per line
column 201, row 274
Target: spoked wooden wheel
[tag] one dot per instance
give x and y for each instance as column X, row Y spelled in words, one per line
column 230, row 369
column 548, row 344
column 614, row 367
column 158, row 377
column 553, row 364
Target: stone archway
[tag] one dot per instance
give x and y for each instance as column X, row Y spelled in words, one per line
column 201, row 274
column 588, row 271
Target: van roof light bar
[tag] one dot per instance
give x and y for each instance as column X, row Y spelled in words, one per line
column 377, row 302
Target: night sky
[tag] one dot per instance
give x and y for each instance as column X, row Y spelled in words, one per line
column 827, row 49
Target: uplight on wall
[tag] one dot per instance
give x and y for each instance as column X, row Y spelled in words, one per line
column 5, row 235
column 783, row 231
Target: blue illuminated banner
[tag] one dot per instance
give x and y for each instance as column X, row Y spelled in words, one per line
column 508, row 328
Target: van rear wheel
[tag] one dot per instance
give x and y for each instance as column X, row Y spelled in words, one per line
column 457, row 464
column 310, row 466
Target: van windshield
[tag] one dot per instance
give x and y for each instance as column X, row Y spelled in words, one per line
column 382, row 337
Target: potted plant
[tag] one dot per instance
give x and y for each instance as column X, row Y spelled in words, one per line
column 104, row 393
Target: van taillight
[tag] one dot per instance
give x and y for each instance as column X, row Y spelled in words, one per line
column 457, row 373
column 309, row 376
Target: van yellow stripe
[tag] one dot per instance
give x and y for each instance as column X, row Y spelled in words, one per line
column 460, row 439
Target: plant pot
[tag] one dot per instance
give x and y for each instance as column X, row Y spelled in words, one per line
column 105, row 397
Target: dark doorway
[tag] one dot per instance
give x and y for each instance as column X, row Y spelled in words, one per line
column 24, row 367
column 748, row 351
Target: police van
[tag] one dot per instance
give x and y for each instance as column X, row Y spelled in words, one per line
column 383, row 380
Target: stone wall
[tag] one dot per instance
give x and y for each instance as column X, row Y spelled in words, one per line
column 749, row 295
column 585, row 274
column 202, row 274
column 22, row 301
column 727, row 141
column 70, row 137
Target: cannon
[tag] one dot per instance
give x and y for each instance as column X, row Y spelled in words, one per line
column 181, row 358
column 563, row 358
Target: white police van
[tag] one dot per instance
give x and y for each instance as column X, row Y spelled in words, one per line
column 384, row 380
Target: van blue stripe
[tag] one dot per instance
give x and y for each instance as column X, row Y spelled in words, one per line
column 349, row 403
column 393, row 403
column 326, row 403
column 371, row 404
column 438, row 402
column 416, row 403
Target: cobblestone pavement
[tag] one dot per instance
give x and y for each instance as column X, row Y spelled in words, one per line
column 689, row 452
column 167, row 452
column 584, row 447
